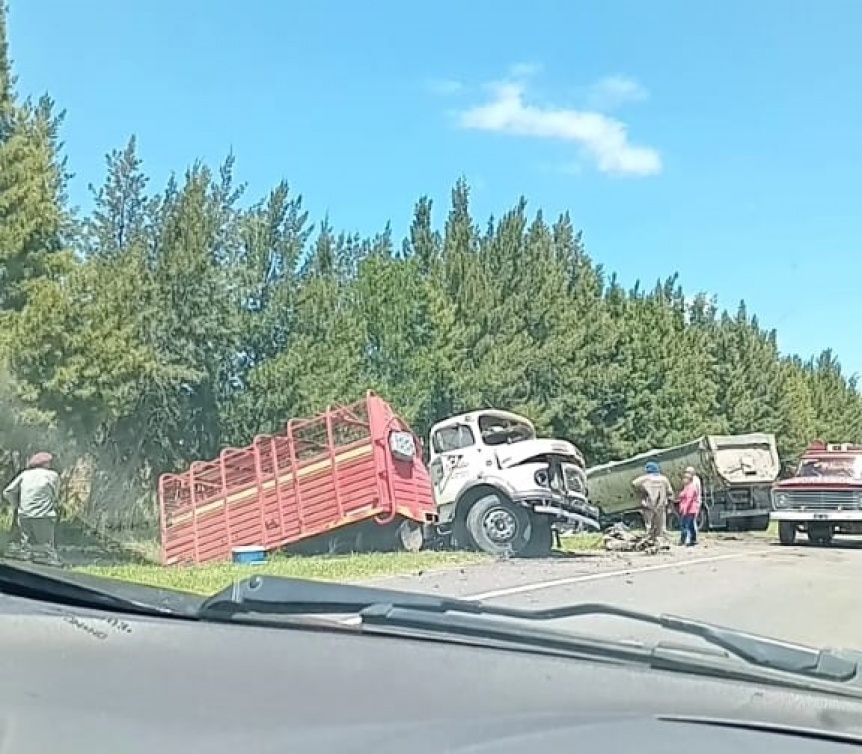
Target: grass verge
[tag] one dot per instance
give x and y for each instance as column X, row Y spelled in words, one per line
column 357, row 567
column 206, row 579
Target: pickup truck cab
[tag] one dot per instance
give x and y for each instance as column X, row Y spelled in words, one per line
column 823, row 497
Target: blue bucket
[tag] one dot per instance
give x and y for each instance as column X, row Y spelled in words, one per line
column 248, row 555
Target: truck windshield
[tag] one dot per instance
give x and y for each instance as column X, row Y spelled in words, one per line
column 455, row 437
column 842, row 467
column 499, row 430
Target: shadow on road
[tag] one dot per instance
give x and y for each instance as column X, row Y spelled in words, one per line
column 574, row 554
column 77, row 546
column 835, row 544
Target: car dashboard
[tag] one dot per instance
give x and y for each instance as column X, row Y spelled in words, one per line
column 91, row 681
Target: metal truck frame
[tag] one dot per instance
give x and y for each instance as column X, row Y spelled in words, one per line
column 354, row 466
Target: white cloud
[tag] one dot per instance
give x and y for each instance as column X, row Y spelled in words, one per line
column 600, row 137
column 446, row 86
column 613, row 91
column 524, row 70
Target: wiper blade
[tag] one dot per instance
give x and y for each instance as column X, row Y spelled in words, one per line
column 278, row 595
column 80, row 590
column 288, row 596
column 480, row 631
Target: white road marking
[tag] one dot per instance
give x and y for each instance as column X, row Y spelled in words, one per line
column 525, row 588
column 539, row 585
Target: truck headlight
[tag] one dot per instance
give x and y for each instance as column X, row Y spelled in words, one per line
column 541, row 478
column 402, row 446
column 780, row 500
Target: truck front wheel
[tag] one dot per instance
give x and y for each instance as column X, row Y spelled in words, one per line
column 786, row 532
column 498, row 526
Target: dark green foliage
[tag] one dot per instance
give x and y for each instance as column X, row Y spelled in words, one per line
column 169, row 324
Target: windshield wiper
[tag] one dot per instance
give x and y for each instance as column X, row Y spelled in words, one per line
column 271, row 595
column 80, row 590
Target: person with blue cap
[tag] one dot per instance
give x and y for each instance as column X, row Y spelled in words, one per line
column 655, row 491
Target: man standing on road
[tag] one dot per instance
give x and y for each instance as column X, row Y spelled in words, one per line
column 35, row 493
column 656, row 491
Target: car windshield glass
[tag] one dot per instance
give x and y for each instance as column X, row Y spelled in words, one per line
column 836, row 467
column 390, row 302
column 499, row 430
column 453, row 438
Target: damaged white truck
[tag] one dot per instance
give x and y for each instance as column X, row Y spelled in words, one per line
column 500, row 488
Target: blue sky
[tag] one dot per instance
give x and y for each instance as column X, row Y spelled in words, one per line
column 719, row 140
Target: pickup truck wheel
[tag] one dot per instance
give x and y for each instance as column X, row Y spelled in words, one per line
column 786, row 532
column 498, row 526
column 541, row 542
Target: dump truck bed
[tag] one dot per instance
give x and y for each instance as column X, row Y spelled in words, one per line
column 721, row 460
column 331, row 471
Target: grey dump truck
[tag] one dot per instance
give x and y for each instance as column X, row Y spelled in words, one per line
column 736, row 471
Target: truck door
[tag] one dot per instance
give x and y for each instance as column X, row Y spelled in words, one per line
column 452, row 447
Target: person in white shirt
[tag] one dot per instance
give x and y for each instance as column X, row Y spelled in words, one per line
column 35, row 493
column 696, row 480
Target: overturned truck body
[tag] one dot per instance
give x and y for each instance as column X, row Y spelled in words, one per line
column 355, row 469
column 736, row 471
column 353, row 478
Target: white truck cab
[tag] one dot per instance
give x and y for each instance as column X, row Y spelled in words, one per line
column 501, row 488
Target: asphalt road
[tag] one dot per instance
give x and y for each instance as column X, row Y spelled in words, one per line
column 812, row 595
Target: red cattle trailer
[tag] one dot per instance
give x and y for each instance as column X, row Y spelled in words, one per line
column 351, row 464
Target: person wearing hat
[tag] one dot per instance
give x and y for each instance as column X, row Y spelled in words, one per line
column 35, row 493
column 655, row 490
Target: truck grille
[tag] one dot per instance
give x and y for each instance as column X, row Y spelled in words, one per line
column 820, row 499
column 740, row 499
column 575, row 479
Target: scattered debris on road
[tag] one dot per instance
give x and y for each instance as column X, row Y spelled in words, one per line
column 619, row 538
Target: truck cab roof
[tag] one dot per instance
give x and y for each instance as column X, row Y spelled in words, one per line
column 485, row 426
column 472, row 417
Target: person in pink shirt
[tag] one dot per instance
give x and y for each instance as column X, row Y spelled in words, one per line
column 689, row 507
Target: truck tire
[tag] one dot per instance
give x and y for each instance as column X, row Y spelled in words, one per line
column 498, row 526
column 702, row 519
column 541, row 542
column 786, row 532
column 411, row 536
